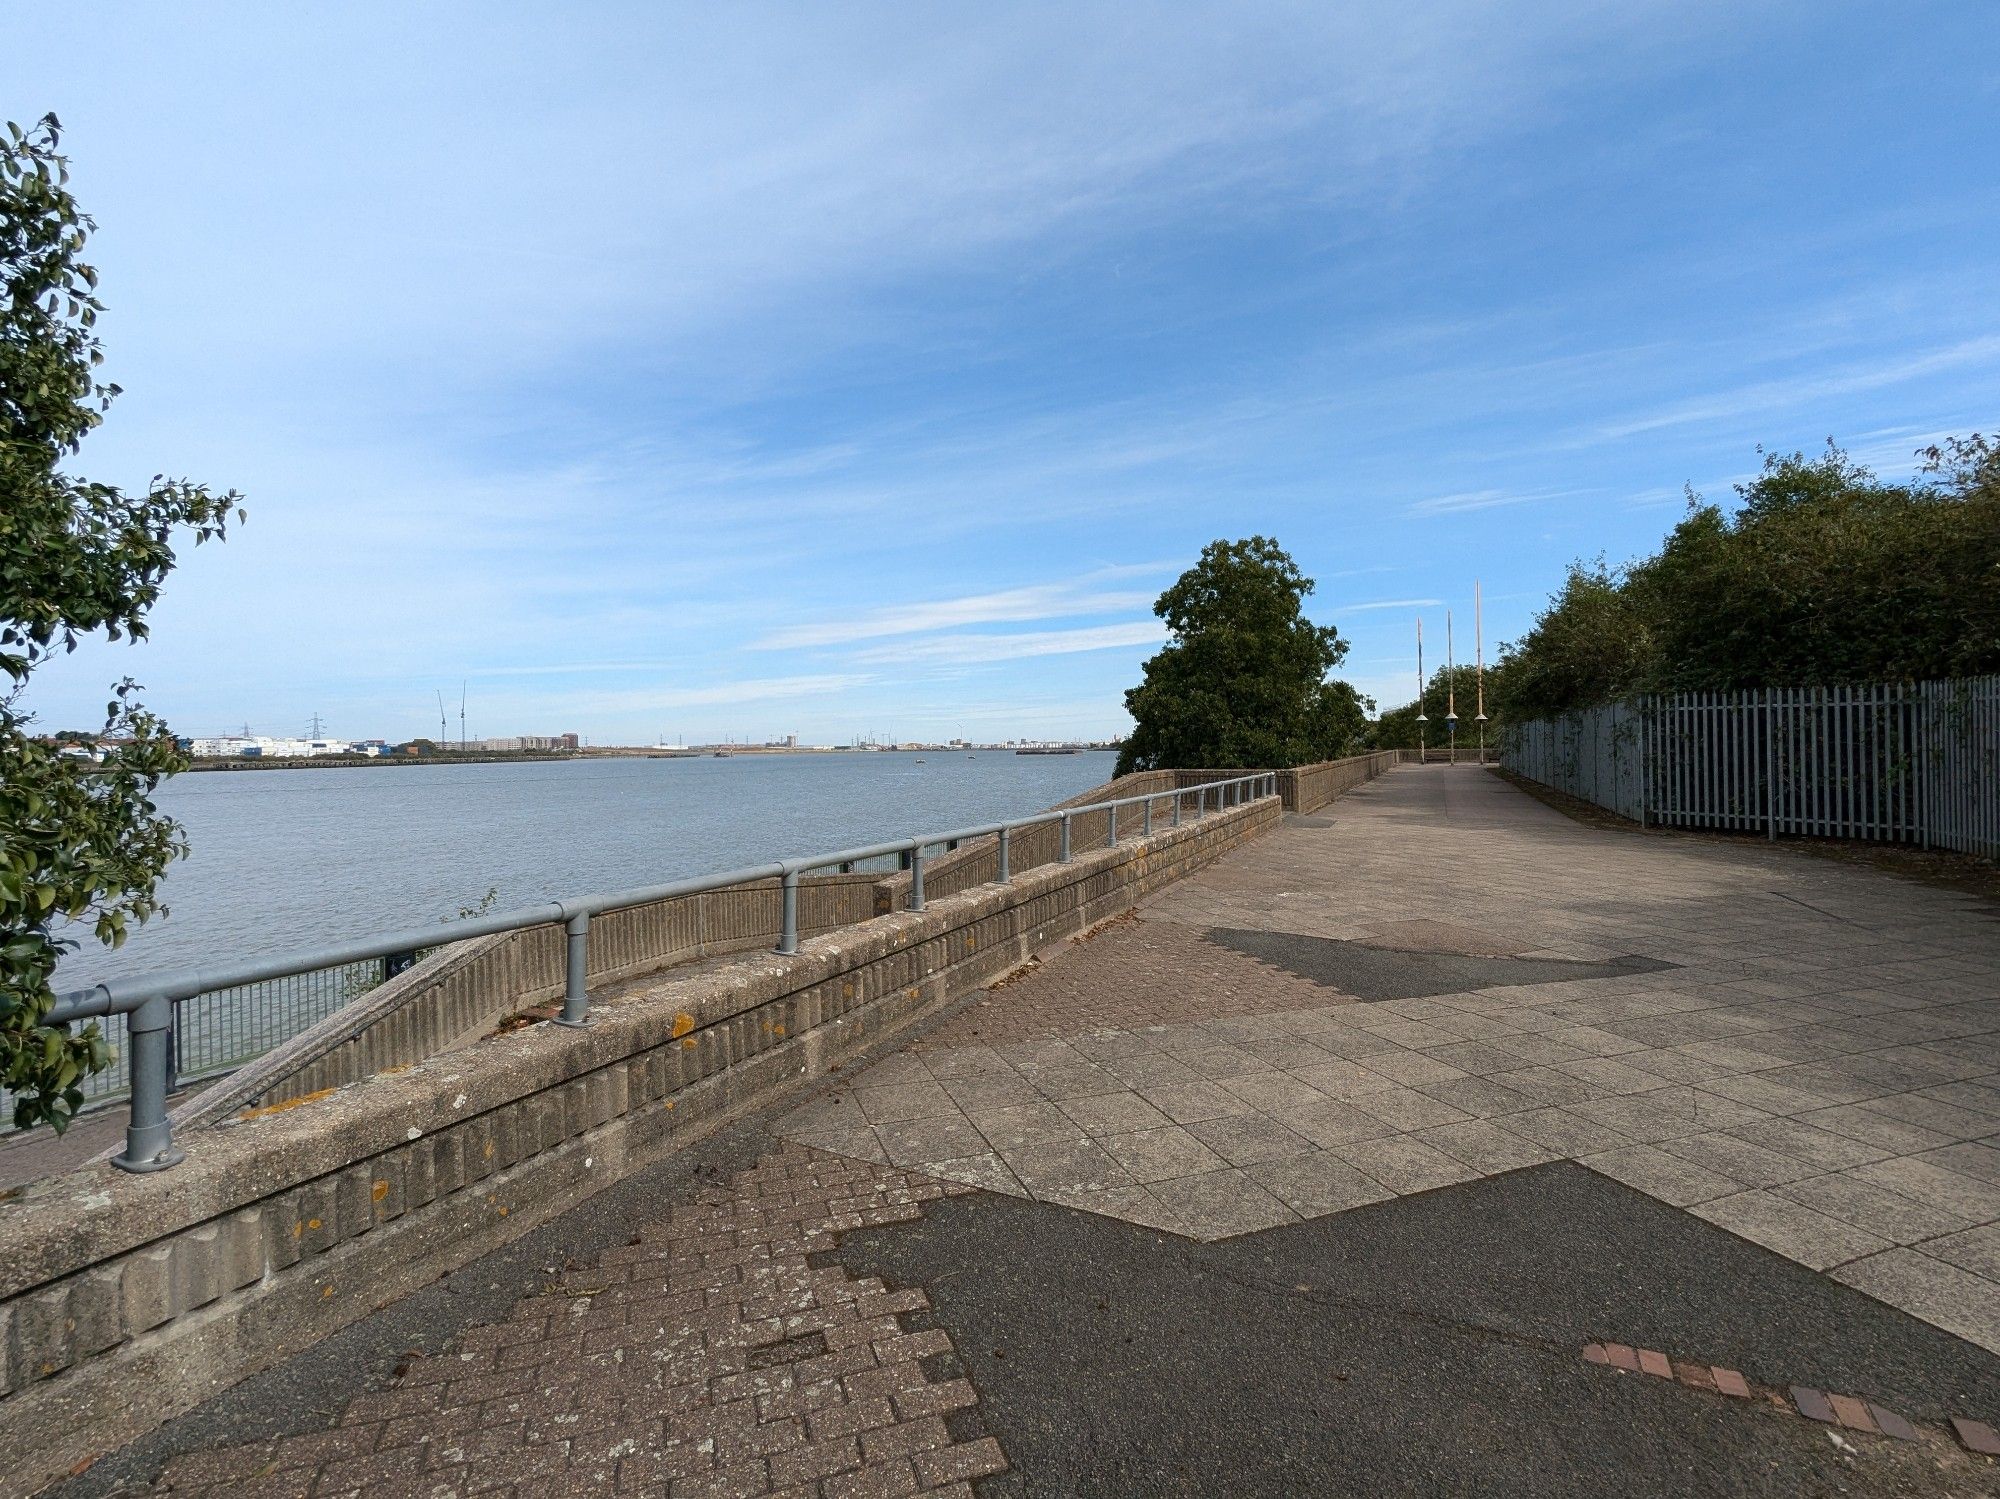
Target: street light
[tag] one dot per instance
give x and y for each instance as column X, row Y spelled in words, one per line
column 1479, row 639
column 1450, row 688
column 1421, row 720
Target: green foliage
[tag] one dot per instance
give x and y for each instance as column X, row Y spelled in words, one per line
column 482, row 906
column 80, row 844
column 1592, row 644
column 1242, row 683
column 1823, row 574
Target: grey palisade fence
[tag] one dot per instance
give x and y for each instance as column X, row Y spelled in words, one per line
column 1891, row 762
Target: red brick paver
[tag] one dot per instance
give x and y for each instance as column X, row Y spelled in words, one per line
column 707, row 1358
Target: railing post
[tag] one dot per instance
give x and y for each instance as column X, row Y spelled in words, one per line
column 1111, row 827
column 917, row 878
column 576, row 996
column 1146, row 828
column 788, row 926
column 1063, row 856
column 149, row 1137
column 1006, row 874
column 1177, row 806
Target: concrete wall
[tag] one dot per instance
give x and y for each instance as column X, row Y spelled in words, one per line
column 459, row 994
column 127, row 1299
column 1310, row 787
column 1304, row 789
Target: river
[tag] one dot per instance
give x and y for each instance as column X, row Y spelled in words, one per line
column 287, row 859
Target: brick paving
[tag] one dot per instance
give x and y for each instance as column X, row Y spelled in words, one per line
column 1850, row 1412
column 709, row 1359
column 1819, row 1073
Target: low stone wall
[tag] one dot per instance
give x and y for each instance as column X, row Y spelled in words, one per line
column 1302, row 790
column 1310, row 787
column 127, row 1299
column 457, row 995
column 979, row 861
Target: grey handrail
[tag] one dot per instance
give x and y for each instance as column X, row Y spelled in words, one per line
column 148, row 1001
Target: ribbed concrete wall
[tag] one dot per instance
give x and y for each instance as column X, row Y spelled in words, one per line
column 1310, row 787
column 1303, row 790
column 456, row 996
column 127, row 1299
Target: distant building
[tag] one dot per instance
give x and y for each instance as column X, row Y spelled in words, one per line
column 262, row 747
column 520, row 743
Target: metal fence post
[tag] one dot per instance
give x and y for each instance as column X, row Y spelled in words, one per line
column 576, row 996
column 1110, row 827
column 149, row 1137
column 1770, row 769
column 1006, row 874
column 1063, row 856
column 1146, row 830
column 917, row 878
column 788, row 928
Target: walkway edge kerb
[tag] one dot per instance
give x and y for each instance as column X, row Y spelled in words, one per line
column 125, row 1299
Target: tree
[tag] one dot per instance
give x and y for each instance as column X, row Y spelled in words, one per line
column 80, row 845
column 1242, row 682
column 1590, row 645
column 1822, row 574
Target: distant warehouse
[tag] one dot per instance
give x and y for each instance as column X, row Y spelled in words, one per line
column 524, row 742
column 259, row 746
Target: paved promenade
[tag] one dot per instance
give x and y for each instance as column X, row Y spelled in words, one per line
column 1431, row 1144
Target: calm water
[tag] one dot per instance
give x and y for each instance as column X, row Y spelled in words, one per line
column 286, row 859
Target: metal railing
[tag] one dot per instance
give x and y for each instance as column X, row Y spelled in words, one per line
column 153, row 1008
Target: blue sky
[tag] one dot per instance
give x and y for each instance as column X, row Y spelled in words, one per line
column 828, row 370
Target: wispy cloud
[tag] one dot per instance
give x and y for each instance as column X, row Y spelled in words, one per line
column 1007, row 606
column 885, row 331
column 963, row 650
column 1389, row 604
column 1485, row 499
column 1764, row 396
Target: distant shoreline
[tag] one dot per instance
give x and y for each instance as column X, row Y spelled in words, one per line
column 351, row 762
column 529, row 757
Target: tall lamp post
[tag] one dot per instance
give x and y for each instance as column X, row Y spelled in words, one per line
column 1450, row 688
column 1422, row 749
column 1479, row 638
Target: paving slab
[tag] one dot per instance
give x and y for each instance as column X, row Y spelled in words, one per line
column 1163, row 1215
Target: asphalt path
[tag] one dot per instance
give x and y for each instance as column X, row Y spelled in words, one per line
column 1426, row 1345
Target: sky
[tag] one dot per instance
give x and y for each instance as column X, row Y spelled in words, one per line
column 696, row 372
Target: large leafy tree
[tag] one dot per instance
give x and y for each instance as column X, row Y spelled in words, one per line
column 1822, row 573
column 1242, row 681
column 82, row 847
